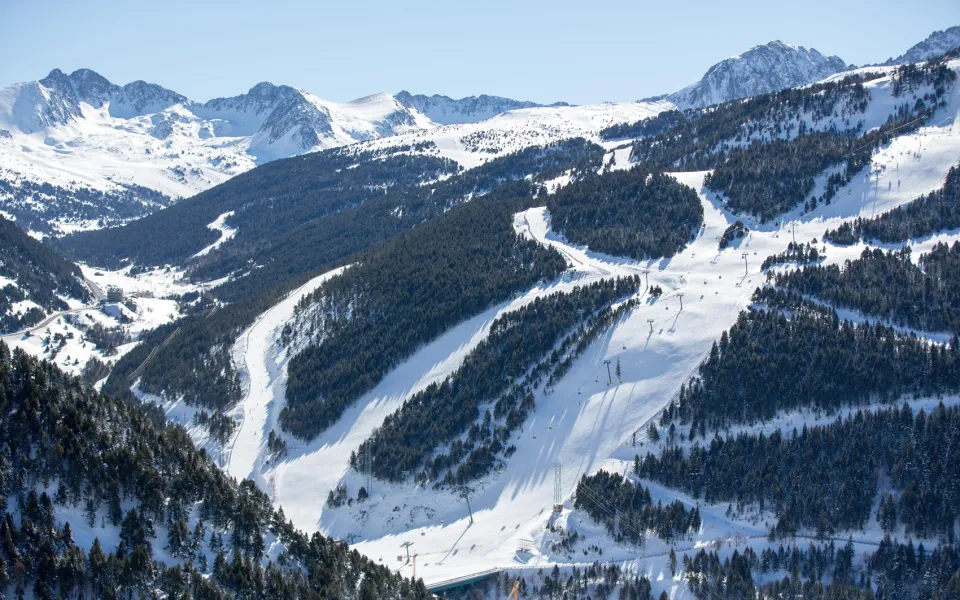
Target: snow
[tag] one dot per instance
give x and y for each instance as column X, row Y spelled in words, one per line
column 620, row 158
column 75, row 352
column 473, row 144
column 148, row 293
column 226, row 233
column 159, row 282
column 762, row 69
column 264, row 358
column 584, row 424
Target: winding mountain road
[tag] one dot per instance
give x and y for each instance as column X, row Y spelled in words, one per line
column 98, row 296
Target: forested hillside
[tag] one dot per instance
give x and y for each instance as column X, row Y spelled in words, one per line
column 267, row 202
column 328, row 240
column 819, row 361
column 690, row 140
column 403, row 295
column 525, row 349
column 889, row 285
column 195, row 364
column 767, row 179
column 34, row 205
column 827, row 572
column 77, row 466
column 632, row 213
column 826, row 477
column 33, row 279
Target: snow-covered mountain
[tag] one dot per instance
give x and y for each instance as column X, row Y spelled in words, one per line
column 79, row 151
column 937, row 43
column 762, row 69
column 445, row 110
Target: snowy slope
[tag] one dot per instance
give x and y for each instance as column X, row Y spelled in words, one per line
column 768, row 68
column 258, row 411
column 473, row 144
column 584, row 425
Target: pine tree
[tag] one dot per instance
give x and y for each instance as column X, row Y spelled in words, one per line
column 653, row 433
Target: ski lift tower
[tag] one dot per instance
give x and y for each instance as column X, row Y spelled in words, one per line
column 557, row 487
column 406, row 546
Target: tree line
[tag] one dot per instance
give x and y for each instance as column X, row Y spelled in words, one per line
column 66, row 450
column 825, row 477
column 490, row 395
column 635, row 213
column 628, row 512
column 889, row 285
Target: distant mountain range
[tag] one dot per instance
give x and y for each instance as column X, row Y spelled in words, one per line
column 79, row 152
column 447, row 111
column 278, row 120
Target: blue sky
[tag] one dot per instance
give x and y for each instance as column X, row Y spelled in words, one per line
column 579, row 52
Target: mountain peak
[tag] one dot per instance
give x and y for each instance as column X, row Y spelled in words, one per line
column 937, row 43
column 762, row 69
column 265, row 88
column 56, row 80
column 55, row 74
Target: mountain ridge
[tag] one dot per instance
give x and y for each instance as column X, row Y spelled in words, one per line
column 64, row 132
column 762, row 69
column 935, row 44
